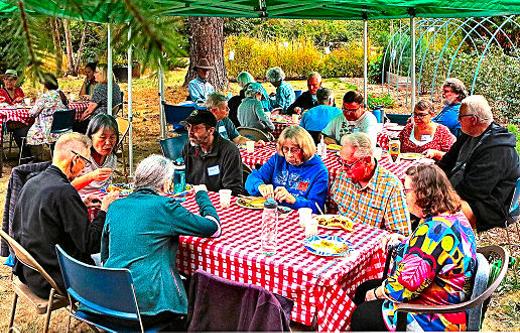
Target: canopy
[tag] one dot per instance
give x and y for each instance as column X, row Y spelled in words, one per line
column 115, row 11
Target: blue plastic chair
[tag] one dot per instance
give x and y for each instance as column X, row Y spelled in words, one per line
column 106, row 296
column 177, row 113
column 172, row 147
column 297, row 93
column 62, row 121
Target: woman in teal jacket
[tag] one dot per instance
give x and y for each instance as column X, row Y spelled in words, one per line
column 141, row 233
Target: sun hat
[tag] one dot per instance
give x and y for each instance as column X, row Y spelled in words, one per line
column 203, row 64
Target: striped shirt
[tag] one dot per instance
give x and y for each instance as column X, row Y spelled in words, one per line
column 381, row 203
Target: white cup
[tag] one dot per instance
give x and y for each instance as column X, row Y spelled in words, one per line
column 27, row 101
column 250, row 146
column 305, row 214
column 378, row 152
column 225, row 198
column 311, row 228
column 295, row 118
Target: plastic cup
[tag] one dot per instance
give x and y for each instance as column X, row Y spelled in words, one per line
column 250, row 146
column 378, row 152
column 225, row 198
column 295, row 118
column 311, row 228
column 305, row 215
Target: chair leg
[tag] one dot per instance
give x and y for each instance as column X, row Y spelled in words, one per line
column 48, row 313
column 13, row 312
column 20, row 154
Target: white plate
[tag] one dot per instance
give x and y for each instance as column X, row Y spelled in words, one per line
column 311, row 245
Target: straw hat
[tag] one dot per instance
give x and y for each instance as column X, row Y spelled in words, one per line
column 203, row 64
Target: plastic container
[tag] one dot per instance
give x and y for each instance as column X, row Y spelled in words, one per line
column 179, row 176
column 322, row 148
column 379, row 113
column 269, row 236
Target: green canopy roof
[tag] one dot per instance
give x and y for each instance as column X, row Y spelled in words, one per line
column 115, row 11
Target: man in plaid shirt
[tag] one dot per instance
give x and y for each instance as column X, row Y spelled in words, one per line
column 367, row 192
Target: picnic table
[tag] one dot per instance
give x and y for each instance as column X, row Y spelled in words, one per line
column 322, row 288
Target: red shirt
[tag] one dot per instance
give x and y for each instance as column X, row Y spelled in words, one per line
column 6, row 98
column 442, row 140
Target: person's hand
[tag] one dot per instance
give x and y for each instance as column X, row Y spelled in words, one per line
column 370, row 295
column 276, row 111
column 260, row 143
column 281, row 194
column 392, row 240
column 266, row 190
column 433, row 153
column 200, row 187
column 298, row 110
column 19, row 99
column 100, row 174
column 108, row 199
column 92, row 201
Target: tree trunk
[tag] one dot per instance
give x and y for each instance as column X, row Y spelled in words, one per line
column 207, row 41
column 80, row 49
column 68, row 48
column 56, row 39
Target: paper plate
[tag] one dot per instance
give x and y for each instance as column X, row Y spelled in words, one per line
column 251, row 202
column 411, row 156
column 327, row 245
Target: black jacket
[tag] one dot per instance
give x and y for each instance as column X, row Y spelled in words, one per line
column 221, row 168
column 303, row 101
column 234, row 103
column 49, row 212
column 488, row 176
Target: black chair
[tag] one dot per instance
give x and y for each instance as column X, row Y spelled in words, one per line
column 400, row 119
column 175, row 114
column 172, row 147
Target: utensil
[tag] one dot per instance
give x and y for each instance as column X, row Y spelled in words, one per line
column 318, row 206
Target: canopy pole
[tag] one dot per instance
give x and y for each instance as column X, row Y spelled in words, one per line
column 412, row 63
column 365, row 60
column 109, row 70
column 161, row 100
column 130, row 112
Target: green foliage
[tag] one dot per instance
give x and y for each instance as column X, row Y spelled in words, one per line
column 375, row 69
column 384, row 100
column 515, row 129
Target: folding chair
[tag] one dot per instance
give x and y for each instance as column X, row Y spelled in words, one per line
column 106, row 296
column 123, row 126
column 56, row 298
column 254, row 134
column 172, row 147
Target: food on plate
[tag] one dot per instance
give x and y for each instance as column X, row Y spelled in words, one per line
column 330, row 246
column 123, row 189
column 251, row 202
column 411, row 156
column 333, row 147
column 335, row 221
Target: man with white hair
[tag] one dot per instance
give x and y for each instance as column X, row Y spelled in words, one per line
column 307, row 99
column 482, row 165
column 366, row 192
column 50, row 212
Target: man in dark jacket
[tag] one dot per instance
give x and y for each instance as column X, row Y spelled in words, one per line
column 49, row 211
column 308, row 99
column 482, row 165
column 210, row 159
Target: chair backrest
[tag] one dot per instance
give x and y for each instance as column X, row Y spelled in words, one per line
column 297, row 93
column 177, row 113
column 400, row 119
column 480, row 284
column 172, row 147
column 123, row 125
column 514, row 209
column 62, row 121
column 107, row 291
column 24, row 257
column 253, row 134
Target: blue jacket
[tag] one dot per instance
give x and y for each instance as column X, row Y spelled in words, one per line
column 449, row 117
column 308, row 182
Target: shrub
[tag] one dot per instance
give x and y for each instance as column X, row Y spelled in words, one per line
column 384, row 100
column 516, row 131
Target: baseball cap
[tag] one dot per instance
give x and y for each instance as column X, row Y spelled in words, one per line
column 10, row 72
column 201, row 117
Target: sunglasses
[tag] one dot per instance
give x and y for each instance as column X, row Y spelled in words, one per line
column 86, row 160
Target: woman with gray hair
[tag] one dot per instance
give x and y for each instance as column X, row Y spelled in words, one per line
column 284, row 96
column 295, row 176
column 453, row 92
column 141, row 233
column 251, row 112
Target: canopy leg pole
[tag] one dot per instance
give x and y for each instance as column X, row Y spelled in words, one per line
column 365, row 60
column 412, row 63
column 161, row 101
column 109, row 69
column 130, row 112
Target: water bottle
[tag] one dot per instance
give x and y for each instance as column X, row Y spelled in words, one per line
column 179, row 176
column 322, row 148
column 378, row 112
column 269, row 236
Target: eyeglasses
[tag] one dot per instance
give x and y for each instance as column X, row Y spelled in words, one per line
column 349, row 166
column 467, row 115
column 86, row 160
column 293, row 150
column 351, row 110
column 420, row 115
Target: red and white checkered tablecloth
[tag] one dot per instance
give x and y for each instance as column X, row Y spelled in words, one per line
column 384, row 136
column 322, row 288
column 262, row 154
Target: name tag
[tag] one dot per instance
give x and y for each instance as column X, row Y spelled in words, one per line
column 426, row 137
column 213, row 170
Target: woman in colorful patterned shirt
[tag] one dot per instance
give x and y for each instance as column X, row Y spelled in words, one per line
column 422, row 135
column 434, row 266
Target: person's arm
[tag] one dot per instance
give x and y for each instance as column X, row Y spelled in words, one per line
column 317, row 193
column 19, row 95
column 329, row 135
column 38, row 107
column 446, row 139
column 83, row 90
column 396, row 215
column 262, row 117
column 194, row 92
column 449, row 159
column 264, row 175
column 232, row 172
column 100, row 174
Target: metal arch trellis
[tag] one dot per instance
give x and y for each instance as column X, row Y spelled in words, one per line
column 480, row 34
